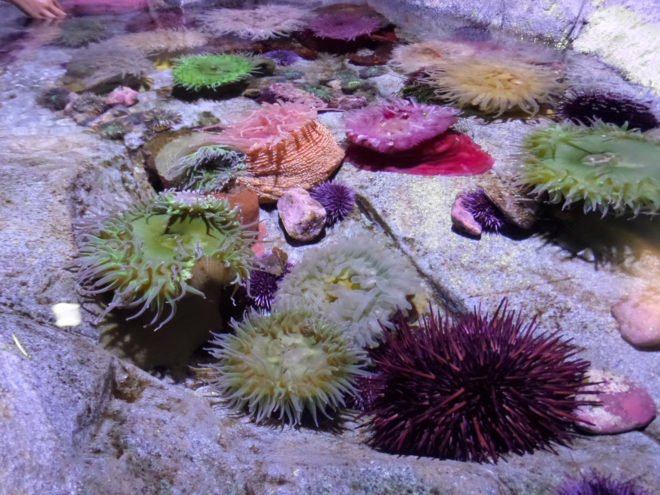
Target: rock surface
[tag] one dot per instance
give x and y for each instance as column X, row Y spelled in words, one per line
column 302, row 216
column 639, row 320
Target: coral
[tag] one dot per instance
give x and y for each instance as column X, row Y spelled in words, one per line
column 286, row 148
column 76, row 32
column 343, row 25
column 161, row 41
column 283, row 57
column 483, row 210
column 450, row 153
column 473, row 388
column 209, row 168
column 596, row 484
column 427, row 54
column 397, row 124
column 589, row 106
column 266, row 21
column 288, row 364
column 337, row 199
column 201, row 72
column 355, row 282
column 606, row 167
column 495, row 84
column 149, row 253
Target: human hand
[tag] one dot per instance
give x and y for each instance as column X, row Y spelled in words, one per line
column 41, row 9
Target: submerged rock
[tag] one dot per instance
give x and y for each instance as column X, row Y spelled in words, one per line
column 302, row 216
column 639, row 320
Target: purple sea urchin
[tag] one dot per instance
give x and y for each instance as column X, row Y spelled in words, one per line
column 606, row 167
column 337, row 199
column 285, row 364
column 356, row 283
column 343, row 25
column 483, row 210
column 596, row 484
column 262, row 288
column 474, row 388
column 148, row 254
column 611, row 108
column 397, row 124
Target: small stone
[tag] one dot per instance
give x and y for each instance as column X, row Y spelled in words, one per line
column 516, row 208
column 639, row 320
column 123, row 95
column 302, row 216
column 625, row 406
column 462, row 220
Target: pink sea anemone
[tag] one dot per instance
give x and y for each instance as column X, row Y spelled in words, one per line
column 397, row 124
column 450, row 153
column 343, row 25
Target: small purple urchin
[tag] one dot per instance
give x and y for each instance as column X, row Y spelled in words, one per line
column 262, row 288
column 595, row 484
column 344, row 26
column 611, row 108
column 483, row 210
column 473, row 388
column 337, row 199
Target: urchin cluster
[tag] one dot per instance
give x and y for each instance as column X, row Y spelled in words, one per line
column 260, row 23
column 608, row 168
column 284, row 364
column 587, row 107
column 199, row 72
column 343, row 25
column 397, row 124
column 473, row 388
column 357, row 283
column 338, row 200
column 146, row 255
column 596, row 484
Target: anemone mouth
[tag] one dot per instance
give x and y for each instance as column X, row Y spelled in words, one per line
column 146, row 255
column 494, row 85
column 284, row 364
column 608, row 168
column 200, row 72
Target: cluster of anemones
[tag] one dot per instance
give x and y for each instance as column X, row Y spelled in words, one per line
column 406, row 136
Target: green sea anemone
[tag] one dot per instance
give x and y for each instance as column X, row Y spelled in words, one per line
column 286, row 363
column 160, row 249
column 356, row 283
column 607, row 167
column 204, row 72
column 210, row 168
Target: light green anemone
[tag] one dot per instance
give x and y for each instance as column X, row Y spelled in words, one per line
column 199, row 72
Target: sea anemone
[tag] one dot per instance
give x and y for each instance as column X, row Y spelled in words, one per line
column 451, row 153
column 212, row 72
column 473, row 388
column 160, row 119
column 397, row 124
column 612, row 108
column 355, row 283
column 343, row 25
column 427, row 54
column 495, row 84
column 606, row 167
column 483, row 210
column 286, row 147
column 596, row 484
column 283, row 57
column 208, row 169
column 338, row 200
column 266, row 21
column 285, row 364
column 76, row 32
column 161, row 41
column 148, row 254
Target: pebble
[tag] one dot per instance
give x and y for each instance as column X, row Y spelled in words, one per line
column 625, row 406
column 302, row 216
column 462, row 220
column 639, row 320
column 123, row 95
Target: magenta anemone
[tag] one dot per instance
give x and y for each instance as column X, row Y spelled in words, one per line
column 338, row 200
column 397, row 124
column 483, row 210
column 596, row 484
column 473, row 388
column 343, row 25
column 611, row 108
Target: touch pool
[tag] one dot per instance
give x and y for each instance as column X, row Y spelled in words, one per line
column 362, row 248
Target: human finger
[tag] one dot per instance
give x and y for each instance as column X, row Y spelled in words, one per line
column 57, row 8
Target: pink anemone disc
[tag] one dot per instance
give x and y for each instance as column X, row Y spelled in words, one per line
column 397, row 124
column 345, row 26
column 450, row 153
column 267, row 125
